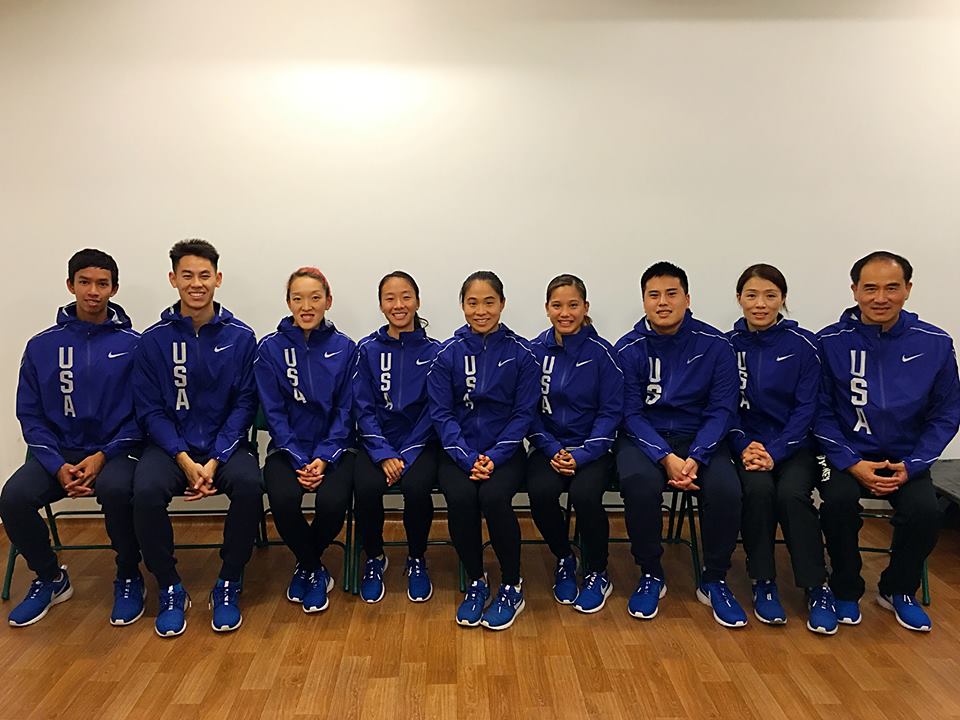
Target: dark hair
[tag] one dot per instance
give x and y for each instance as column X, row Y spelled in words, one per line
column 764, row 272
column 568, row 280
column 487, row 276
column 881, row 255
column 418, row 322
column 90, row 257
column 664, row 269
column 194, row 246
column 310, row 272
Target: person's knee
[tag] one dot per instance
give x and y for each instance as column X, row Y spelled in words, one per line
column 495, row 500
column 792, row 497
column 920, row 510
column 148, row 493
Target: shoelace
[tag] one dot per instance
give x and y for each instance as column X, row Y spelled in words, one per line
column 908, row 600
column 171, row 598
column 473, row 593
column 821, row 599
column 725, row 595
column 646, row 584
column 591, row 581
column 36, row 587
column 564, row 569
column 371, row 570
column 415, row 568
column 503, row 597
column 125, row 587
column 226, row 594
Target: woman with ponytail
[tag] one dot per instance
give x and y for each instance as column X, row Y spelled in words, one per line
column 398, row 443
column 303, row 373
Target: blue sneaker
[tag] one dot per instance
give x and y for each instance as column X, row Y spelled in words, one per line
column 766, row 603
column 371, row 584
column 597, row 587
column 471, row 609
column 128, row 594
column 726, row 609
column 316, row 599
column 40, row 597
column 419, row 587
column 823, row 611
column 223, row 600
column 848, row 611
column 172, row 617
column 504, row 610
column 645, row 601
column 565, row 580
column 299, row 585
column 908, row 611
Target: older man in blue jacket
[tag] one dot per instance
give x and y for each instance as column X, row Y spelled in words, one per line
column 889, row 404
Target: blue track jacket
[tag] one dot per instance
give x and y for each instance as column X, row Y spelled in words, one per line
column 683, row 385
column 779, row 386
column 483, row 392
column 74, row 391
column 887, row 395
column 390, row 394
column 305, row 391
column 581, row 395
column 194, row 391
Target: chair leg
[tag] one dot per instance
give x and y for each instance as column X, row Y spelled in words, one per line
column 355, row 567
column 8, row 575
column 348, row 553
column 925, row 584
column 262, row 531
column 52, row 522
column 694, row 541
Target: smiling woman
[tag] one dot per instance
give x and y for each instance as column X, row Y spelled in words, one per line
column 303, row 375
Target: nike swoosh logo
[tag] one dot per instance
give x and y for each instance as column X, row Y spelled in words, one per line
column 911, row 357
column 116, row 355
column 504, row 362
column 221, row 349
column 584, row 362
column 425, row 362
column 784, row 357
column 695, row 357
column 330, row 355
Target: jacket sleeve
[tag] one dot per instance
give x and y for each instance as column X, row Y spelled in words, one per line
column 826, row 427
column 274, row 406
column 148, row 400
column 737, row 438
column 524, row 408
column 340, row 435
column 721, row 405
column 942, row 418
column 633, row 362
column 128, row 436
column 441, row 402
column 364, row 405
column 419, row 436
column 800, row 422
column 37, row 432
column 237, row 425
column 610, row 413
column 541, row 439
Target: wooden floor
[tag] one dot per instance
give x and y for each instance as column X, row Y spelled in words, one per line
column 401, row 660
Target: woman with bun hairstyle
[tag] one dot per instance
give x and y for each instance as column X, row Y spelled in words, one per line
column 483, row 391
column 779, row 366
column 581, row 405
column 398, row 442
column 303, row 373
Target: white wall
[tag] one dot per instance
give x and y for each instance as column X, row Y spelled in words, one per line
column 528, row 137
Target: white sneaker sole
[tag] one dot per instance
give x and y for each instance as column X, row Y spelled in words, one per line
column 767, row 621
column 651, row 616
column 505, row 625
column 411, row 598
column 886, row 605
column 383, row 585
column 226, row 628
column 705, row 599
column 56, row 600
column 820, row 630
column 603, row 601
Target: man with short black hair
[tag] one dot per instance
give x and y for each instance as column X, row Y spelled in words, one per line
column 681, row 387
column 195, row 395
column 889, row 404
column 75, row 406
